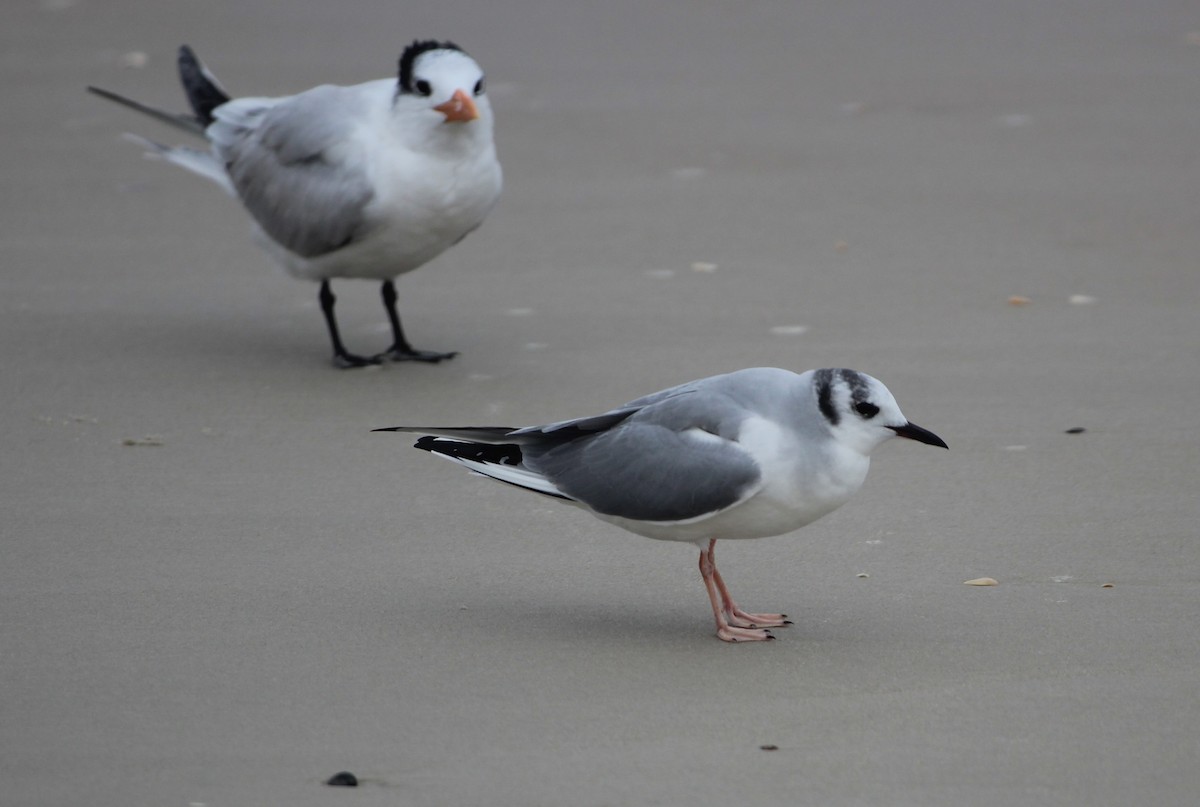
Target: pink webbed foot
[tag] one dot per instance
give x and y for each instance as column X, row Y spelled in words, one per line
column 734, row 624
column 743, row 619
column 735, row 634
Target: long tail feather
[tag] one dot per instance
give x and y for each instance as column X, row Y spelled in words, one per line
column 187, row 123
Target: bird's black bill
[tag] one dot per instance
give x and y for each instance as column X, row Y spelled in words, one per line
column 914, row 432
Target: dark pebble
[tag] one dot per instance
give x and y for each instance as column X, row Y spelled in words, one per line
column 769, row 747
column 1076, row 430
column 343, row 779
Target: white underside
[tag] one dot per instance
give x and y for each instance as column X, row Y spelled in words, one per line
column 791, row 495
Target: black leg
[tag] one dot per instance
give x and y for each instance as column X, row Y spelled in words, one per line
column 401, row 350
column 341, row 357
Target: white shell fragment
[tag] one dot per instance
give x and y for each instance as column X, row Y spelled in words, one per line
column 789, row 330
column 135, row 59
column 981, row 581
column 704, row 266
column 1081, row 299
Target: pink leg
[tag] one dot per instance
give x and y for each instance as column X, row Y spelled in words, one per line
column 726, row 630
column 733, row 614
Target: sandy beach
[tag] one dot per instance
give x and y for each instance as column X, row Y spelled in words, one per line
column 220, row 588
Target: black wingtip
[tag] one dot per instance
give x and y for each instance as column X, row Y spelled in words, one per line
column 202, row 90
column 187, row 123
column 502, row 454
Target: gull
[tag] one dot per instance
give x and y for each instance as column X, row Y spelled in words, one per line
column 368, row 181
column 748, row 454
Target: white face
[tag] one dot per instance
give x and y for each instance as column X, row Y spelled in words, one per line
column 439, row 76
column 861, row 412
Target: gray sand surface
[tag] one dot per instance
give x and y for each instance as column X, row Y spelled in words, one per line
column 271, row 594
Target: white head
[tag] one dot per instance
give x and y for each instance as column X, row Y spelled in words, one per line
column 861, row 413
column 444, row 85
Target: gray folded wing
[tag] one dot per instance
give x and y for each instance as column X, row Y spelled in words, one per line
column 295, row 166
column 672, row 460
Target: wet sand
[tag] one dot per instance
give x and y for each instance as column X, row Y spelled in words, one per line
column 219, row 588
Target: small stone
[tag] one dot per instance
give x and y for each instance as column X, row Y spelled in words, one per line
column 1018, row 299
column 704, row 266
column 1107, row 585
column 841, row 246
column 981, row 581
column 1081, row 299
column 862, row 575
column 1075, row 430
column 148, row 440
column 342, row 779
column 768, row 747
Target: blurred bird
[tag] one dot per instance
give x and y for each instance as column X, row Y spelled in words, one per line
column 368, row 181
column 749, row 454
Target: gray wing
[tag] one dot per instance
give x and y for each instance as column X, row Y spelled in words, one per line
column 295, row 168
column 671, row 460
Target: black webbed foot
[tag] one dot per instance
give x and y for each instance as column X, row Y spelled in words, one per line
column 406, row 353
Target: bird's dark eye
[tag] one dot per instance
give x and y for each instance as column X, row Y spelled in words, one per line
column 866, row 409
column 423, row 87
column 479, row 86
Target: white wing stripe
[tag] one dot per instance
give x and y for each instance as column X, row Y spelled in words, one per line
column 509, row 473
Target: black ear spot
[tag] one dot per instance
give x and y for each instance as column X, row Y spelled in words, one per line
column 867, row 409
column 479, row 87
column 423, row 88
